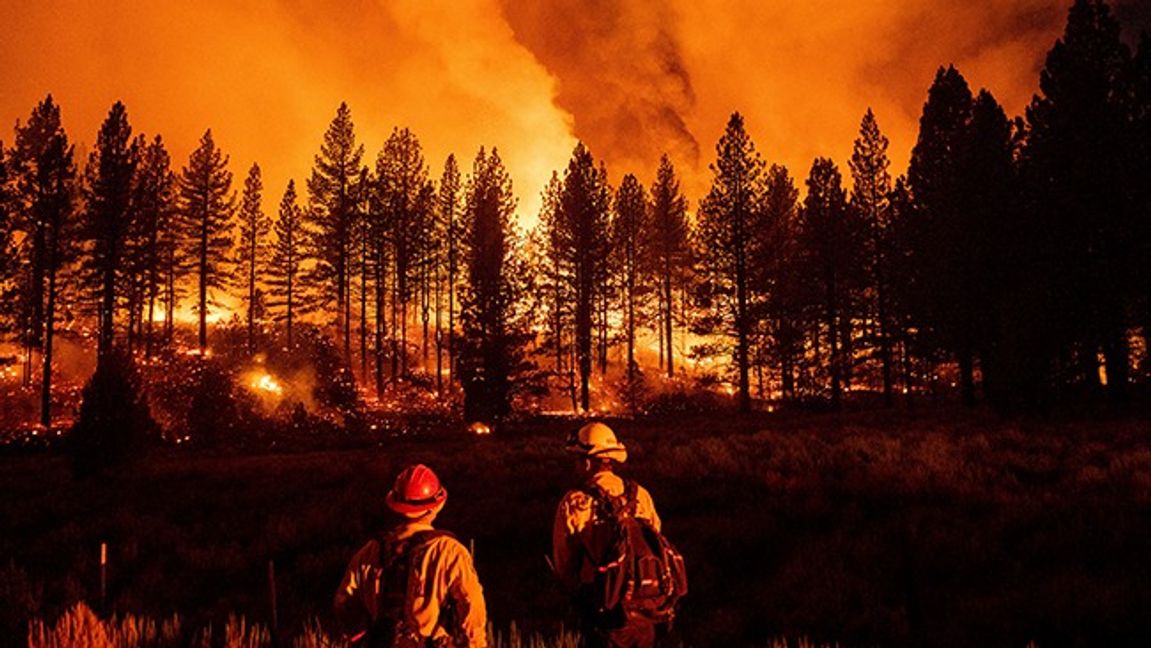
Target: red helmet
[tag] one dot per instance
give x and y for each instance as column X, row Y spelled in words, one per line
column 417, row 490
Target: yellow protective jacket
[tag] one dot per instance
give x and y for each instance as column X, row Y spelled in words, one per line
column 573, row 516
column 444, row 571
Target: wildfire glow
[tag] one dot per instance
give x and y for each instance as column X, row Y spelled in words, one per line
column 631, row 79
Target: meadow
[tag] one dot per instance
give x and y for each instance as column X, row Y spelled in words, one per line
column 931, row 527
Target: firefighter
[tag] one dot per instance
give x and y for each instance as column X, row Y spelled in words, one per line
column 415, row 585
column 575, row 538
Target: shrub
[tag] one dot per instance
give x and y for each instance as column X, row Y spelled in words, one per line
column 115, row 424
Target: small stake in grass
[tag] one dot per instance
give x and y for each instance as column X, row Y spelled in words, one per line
column 272, row 593
column 103, row 575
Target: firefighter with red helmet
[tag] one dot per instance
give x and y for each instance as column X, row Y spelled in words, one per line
column 574, row 535
column 415, row 585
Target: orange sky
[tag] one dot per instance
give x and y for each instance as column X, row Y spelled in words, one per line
column 630, row 78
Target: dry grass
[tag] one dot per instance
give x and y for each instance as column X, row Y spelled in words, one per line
column 935, row 529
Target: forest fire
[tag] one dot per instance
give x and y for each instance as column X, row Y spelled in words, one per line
column 266, row 383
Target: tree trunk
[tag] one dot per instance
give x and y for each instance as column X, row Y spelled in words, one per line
column 49, row 334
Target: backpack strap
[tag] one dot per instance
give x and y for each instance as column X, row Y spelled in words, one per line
column 631, row 496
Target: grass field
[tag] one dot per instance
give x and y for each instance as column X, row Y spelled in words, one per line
column 934, row 528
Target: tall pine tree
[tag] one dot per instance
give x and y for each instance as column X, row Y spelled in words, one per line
column 110, row 171
column 332, row 214
column 727, row 227
column 207, row 204
column 251, row 252
column 44, row 199
column 494, row 336
column 287, row 255
column 669, row 249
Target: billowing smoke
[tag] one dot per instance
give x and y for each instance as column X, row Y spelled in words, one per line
column 620, row 73
column 631, row 78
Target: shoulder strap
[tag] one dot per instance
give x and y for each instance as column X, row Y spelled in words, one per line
column 631, row 495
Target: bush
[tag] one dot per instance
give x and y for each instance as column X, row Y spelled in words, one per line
column 115, row 425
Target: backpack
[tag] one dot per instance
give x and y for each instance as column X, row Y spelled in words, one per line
column 395, row 587
column 638, row 571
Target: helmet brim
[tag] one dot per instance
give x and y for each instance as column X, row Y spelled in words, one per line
column 415, row 509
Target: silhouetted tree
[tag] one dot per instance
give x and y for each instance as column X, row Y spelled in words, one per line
column 154, row 240
column 1140, row 114
column 252, row 250
column 493, row 338
column 581, row 240
column 779, row 273
column 669, row 251
column 944, row 300
column 206, row 205
column 449, row 213
column 110, row 171
column 287, row 255
column 632, row 213
column 1077, row 159
column 331, row 216
column 871, row 184
column 44, row 195
column 998, row 270
column 831, row 240
column 403, row 192
column 115, row 425
column 726, row 228
column 556, row 286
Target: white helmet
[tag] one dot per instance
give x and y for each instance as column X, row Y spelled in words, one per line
column 597, row 440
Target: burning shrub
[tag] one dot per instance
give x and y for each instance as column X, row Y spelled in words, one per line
column 219, row 412
column 115, row 424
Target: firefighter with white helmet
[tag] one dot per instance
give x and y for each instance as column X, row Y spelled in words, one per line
column 599, row 452
column 415, row 585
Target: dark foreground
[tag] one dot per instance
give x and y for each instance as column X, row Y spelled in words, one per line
column 865, row 530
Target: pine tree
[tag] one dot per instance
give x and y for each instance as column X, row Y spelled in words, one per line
column 45, row 194
column 207, row 204
column 287, row 256
column 726, row 228
column 252, row 250
column 940, row 244
column 1078, row 160
column 831, row 239
column 492, row 360
column 871, row 184
column 998, row 265
column 669, row 248
column 556, row 284
column 153, row 239
column 632, row 214
column 331, row 216
column 583, row 244
column 403, row 182
column 780, row 275
column 110, row 172
column 449, row 211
